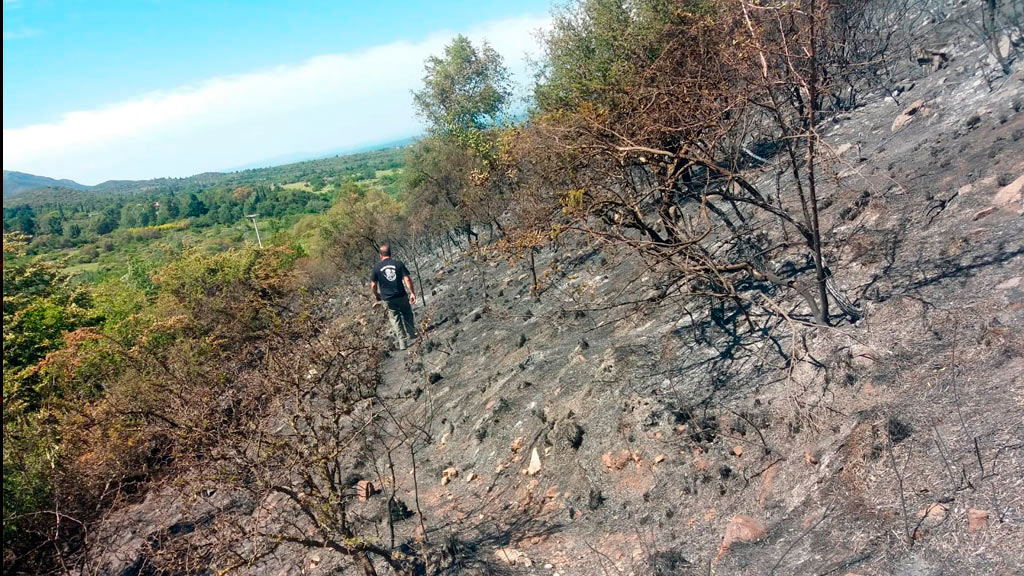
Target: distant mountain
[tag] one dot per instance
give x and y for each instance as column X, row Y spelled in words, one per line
column 22, row 188
column 299, row 157
column 17, row 182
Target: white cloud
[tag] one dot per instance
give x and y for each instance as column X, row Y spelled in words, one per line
column 326, row 103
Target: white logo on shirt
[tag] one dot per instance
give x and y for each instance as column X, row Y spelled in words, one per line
column 390, row 274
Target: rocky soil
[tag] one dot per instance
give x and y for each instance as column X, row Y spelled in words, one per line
column 583, row 433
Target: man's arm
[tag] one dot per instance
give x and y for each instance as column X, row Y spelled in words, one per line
column 374, row 290
column 407, row 280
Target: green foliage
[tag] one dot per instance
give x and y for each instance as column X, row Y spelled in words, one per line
column 88, row 370
column 465, row 92
column 54, row 223
column 594, row 47
column 108, row 221
column 40, row 307
column 195, row 207
column 40, row 304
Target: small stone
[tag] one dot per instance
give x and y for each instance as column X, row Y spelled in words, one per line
column 907, row 115
column 1004, row 46
column 534, row 467
column 659, row 458
column 513, row 557
column 1010, row 284
column 913, row 107
column 470, row 477
column 617, row 460
column 901, row 121
column 434, row 378
column 976, row 519
column 741, row 529
column 984, row 212
column 862, row 356
column 522, row 341
column 737, row 450
column 448, row 474
column 517, row 444
column 932, row 515
column 364, row 490
column 811, row 457
column 551, row 493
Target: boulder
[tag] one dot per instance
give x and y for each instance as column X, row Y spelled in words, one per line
column 1011, row 196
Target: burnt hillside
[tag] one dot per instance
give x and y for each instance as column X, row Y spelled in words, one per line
column 600, row 427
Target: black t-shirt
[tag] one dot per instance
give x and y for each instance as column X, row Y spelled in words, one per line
column 388, row 275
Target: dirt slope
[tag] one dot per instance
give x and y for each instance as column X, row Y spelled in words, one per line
column 662, row 433
column 655, row 429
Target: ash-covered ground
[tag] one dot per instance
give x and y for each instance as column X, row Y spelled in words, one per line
column 585, row 431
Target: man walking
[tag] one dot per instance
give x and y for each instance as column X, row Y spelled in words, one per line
column 392, row 285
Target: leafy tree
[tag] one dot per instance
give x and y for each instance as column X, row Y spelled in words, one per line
column 130, row 216
column 196, row 207
column 54, row 224
column 464, row 92
column 73, row 230
column 148, row 214
column 24, row 219
column 317, row 183
column 594, row 48
column 169, row 208
column 108, row 221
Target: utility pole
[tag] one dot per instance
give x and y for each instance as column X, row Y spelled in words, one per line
column 256, row 228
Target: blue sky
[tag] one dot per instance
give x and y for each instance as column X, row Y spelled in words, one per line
column 102, row 90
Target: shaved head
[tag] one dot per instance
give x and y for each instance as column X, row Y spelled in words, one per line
column 385, row 251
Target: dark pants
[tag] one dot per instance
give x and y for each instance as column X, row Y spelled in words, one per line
column 402, row 324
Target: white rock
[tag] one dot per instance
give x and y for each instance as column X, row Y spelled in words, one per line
column 534, row 467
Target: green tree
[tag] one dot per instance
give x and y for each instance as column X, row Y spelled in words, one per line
column 148, row 215
column 464, row 92
column 54, row 224
column 169, row 209
column 73, row 230
column 196, row 207
column 595, row 47
column 130, row 216
column 108, row 220
column 25, row 220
